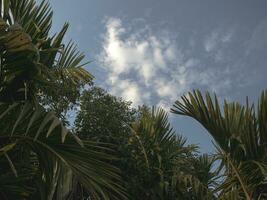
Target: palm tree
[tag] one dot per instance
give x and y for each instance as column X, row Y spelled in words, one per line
column 240, row 134
column 164, row 165
column 39, row 157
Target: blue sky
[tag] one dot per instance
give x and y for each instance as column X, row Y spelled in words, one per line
column 153, row 51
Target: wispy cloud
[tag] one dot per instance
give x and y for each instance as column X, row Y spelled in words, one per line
column 258, row 38
column 145, row 66
column 215, row 42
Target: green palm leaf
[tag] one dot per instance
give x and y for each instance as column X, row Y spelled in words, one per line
column 240, row 134
column 42, row 135
column 47, row 62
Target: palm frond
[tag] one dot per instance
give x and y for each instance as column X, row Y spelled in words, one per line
column 240, row 134
column 69, row 65
column 42, row 134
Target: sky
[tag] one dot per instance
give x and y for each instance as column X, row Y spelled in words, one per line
column 153, row 51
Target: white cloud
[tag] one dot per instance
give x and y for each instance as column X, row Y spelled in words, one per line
column 129, row 90
column 145, row 66
column 211, row 41
column 216, row 40
column 258, row 38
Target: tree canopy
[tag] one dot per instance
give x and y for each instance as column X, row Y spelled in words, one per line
column 40, row 158
column 114, row 151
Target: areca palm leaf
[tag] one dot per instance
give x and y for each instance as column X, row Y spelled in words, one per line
column 168, row 160
column 34, row 143
column 68, row 72
column 69, row 65
column 190, row 187
column 158, row 137
column 65, row 60
column 19, row 63
column 203, row 170
column 197, row 179
column 54, row 63
column 39, row 135
column 231, row 195
column 240, row 133
column 36, row 20
column 262, row 117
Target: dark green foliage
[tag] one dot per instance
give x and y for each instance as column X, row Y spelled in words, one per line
column 39, row 157
column 155, row 163
column 40, row 151
column 115, row 151
column 103, row 117
column 240, row 135
column 163, row 164
column 52, row 71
